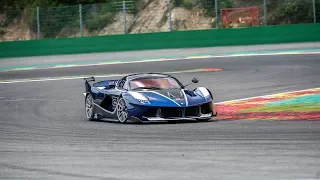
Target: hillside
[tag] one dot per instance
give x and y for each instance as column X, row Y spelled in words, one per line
column 153, row 17
column 147, row 16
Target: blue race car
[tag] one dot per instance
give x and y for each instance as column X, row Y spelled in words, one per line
column 147, row 97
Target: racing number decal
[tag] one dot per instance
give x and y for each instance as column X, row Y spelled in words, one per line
column 114, row 101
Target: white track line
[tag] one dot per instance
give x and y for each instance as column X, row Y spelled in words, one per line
column 24, row 99
column 55, row 79
column 191, row 57
column 115, row 75
column 78, row 77
column 265, row 96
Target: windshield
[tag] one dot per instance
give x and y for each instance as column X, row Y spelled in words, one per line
column 154, row 83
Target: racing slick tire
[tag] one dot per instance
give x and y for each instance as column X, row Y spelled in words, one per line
column 89, row 107
column 122, row 110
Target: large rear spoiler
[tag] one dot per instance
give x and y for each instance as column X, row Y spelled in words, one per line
column 89, row 79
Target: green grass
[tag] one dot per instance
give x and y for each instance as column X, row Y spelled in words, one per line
column 301, row 107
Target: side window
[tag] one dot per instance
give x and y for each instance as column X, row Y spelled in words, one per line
column 121, row 84
column 125, row 86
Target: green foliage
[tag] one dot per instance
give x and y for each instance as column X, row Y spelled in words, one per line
column 178, row 3
column 62, row 16
column 32, row 19
column 10, row 15
column 225, row 4
column 43, row 3
column 290, row 12
column 317, row 11
column 21, row 4
column 210, row 10
column 187, row 4
column 99, row 21
column 297, row 11
column 96, row 17
column 2, row 32
column 53, row 20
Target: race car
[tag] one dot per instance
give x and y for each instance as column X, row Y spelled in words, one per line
column 147, row 97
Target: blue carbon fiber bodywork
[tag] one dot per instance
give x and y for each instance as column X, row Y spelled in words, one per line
column 106, row 94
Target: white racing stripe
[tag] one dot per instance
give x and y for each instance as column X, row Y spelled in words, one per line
column 185, row 97
column 166, row 97
column 113, row 112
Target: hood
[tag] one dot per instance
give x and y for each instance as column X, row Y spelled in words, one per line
column 174, row 98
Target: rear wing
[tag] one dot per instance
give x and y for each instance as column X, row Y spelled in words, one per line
column 89, row 79
column 87, row 85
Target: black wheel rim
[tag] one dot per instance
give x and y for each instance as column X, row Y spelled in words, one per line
column 122, row 111
column 89, row 106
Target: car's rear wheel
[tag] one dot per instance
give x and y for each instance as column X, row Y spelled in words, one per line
column 122, row 111
column 89, row 106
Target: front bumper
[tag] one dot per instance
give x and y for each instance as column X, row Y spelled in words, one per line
column 194, row 118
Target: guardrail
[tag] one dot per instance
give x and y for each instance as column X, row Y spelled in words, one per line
column 165, row 40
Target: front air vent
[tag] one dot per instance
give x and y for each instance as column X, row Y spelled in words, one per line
column 192, row 111
column 151, row 112
column 205, row 108
column 171, row 112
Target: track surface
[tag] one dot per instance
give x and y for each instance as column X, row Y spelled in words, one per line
column 45, row 135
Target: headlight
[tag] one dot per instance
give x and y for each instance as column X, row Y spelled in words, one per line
column 138, row 96
column 204, row 91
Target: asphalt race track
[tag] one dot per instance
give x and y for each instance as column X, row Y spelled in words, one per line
column 45, row 134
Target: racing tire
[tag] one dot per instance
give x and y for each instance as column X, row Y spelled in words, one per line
column 122, row 110
column 89, row 107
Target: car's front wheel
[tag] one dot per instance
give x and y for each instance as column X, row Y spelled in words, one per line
column 122, row 110
column 89, row 106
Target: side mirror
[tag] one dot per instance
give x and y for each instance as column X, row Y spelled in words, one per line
column 112, row 84
column 195, row 80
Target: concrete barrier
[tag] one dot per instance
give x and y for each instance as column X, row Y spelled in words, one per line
column 166, row 40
